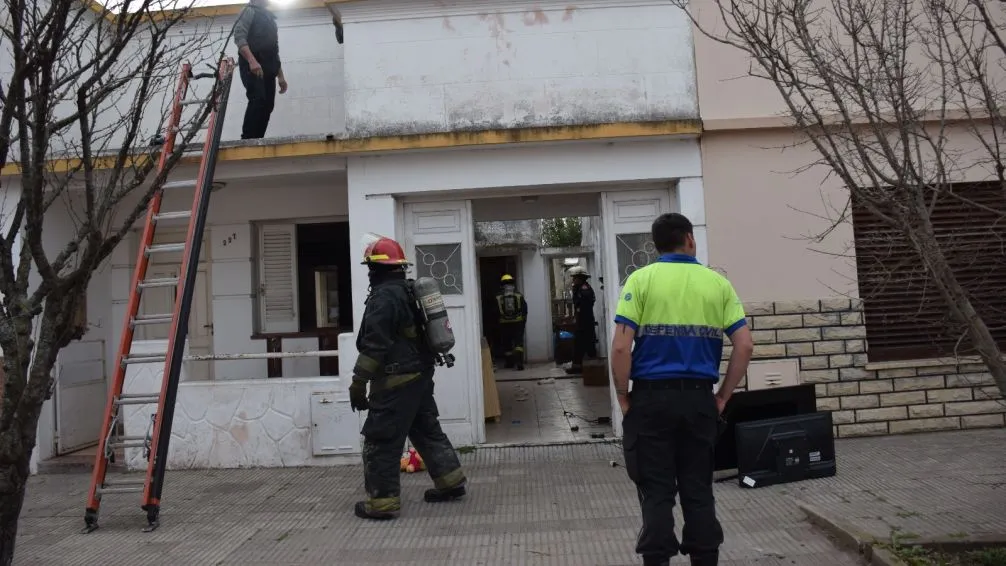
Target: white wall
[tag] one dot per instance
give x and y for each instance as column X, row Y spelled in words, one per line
column 534, row 284
column 312, row 62
column 230, row 239
column 417, row 66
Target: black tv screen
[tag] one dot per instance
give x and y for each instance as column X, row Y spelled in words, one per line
column 758, row 405
column 786, row 449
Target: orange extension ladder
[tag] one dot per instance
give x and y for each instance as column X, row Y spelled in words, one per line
column 155, row 443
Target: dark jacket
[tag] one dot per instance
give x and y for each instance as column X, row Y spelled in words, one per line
column 583, row 301
column 518, row 306
column 256, row 28
column 389, row 342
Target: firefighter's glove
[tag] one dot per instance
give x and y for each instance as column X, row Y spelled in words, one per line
column 358, row 395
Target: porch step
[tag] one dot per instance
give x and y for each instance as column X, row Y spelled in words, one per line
column 74, row 463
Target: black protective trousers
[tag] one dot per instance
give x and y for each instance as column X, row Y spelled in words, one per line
column 669, row 435
column 409, row 411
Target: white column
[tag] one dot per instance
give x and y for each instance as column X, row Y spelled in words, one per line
column 692, row 203
column 369, row 212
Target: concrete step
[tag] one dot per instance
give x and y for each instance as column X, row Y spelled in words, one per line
column 78, row 463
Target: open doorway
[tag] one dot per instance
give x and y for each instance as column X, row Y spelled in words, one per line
column 542, row 403
column 491, row 271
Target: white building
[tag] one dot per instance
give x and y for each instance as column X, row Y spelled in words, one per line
column 433, row 115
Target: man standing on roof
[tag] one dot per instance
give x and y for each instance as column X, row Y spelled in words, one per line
column 513, row 320
column 257, row 38
column 584, row 339
column 676, row 312
column 395, row 360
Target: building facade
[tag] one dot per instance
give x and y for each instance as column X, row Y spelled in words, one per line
column 433, row 116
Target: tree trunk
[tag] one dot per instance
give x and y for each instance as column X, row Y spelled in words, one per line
column 15, row 456
column 959, row 303
column 19, row 412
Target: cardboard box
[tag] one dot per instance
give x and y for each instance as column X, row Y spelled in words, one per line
column 595, row 372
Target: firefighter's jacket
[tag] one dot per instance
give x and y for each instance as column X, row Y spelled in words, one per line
column 392, row 349
column 583, row 302
column 512, row 307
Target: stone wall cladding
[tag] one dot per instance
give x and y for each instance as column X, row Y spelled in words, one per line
column 829, row 340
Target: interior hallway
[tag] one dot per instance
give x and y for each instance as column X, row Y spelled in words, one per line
column 543, row 404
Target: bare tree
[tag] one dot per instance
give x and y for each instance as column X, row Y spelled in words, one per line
column 83, row 94
column 902, row 100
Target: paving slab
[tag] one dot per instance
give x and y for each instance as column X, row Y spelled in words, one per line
column 549, row 505
column 950, row 484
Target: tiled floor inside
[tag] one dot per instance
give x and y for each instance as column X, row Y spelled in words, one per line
column 543, row 404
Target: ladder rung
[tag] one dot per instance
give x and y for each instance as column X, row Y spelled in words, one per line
column 165, row 282
column 166, row 248
column 144, row 359
column 196, row 101
column 142, row 443
column 124, row 483
column 173, row 215
column 123, row 489
column 186, row 184
column 153, row 319
column 138, row 399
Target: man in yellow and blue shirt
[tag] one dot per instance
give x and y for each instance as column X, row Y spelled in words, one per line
column 670, row 322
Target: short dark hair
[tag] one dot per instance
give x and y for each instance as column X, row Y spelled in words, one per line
column 670, row 231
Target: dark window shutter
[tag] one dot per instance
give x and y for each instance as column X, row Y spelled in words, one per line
column 906, row 317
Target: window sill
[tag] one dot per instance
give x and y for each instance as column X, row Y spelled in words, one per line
column 923, row 363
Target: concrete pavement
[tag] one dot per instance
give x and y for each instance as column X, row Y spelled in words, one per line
column 554, row 505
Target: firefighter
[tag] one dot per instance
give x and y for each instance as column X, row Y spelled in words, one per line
column 513, row 320
column 584, row 341
column 395, row 360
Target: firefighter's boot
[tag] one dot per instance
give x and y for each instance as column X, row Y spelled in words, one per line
column 442, row 495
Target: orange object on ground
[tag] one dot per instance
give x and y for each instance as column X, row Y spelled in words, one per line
column 412, row 462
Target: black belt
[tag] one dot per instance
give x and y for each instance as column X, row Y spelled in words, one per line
column 678, row 384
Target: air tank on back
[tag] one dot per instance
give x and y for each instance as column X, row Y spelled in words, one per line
column 439, row 335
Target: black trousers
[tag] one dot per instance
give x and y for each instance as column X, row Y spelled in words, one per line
column 261, row 94
column 669, row 435
column 409, row 411
column 584, row 343
column 512, row 339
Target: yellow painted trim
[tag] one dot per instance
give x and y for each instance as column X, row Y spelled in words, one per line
column 383, row 144
column 215, row 11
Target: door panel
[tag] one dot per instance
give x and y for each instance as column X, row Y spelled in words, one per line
column 627, row 217
column 439, row 239
column 80, row 395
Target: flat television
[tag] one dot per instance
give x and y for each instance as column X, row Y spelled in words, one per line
column 758, row 405
column 785, row 450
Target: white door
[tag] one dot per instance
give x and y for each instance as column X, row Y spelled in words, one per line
column 440, row 242
column 627, row 217
column 80, row 394
column 161, row 300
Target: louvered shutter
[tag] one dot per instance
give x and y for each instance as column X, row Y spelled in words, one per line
column 906, row 317
column 278, row 278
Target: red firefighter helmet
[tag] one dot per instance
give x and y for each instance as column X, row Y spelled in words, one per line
column 384, row 251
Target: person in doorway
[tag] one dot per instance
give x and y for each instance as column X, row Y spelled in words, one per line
column 395, row 360
column 676, row 311
column 257, row 38
column 584, row 339
column 513, row 321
